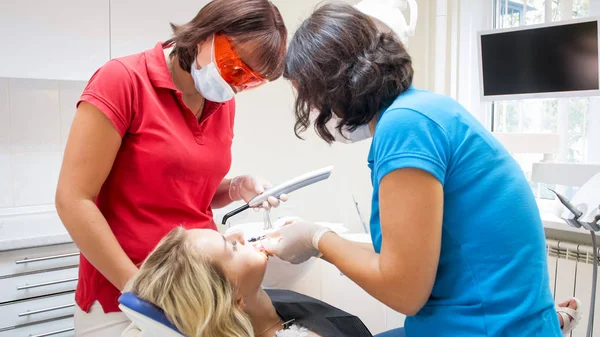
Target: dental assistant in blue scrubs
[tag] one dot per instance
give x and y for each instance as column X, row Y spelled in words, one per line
column 459, row 243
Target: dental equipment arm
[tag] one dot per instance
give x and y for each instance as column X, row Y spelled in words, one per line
column 584, row 211
column 284, row 188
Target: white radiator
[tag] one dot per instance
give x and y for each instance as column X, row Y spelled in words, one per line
column 570, row 267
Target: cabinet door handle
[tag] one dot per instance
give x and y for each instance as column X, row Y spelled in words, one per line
column 35, row 312
column 51, row 283
column 52, row 333
column 46, row 258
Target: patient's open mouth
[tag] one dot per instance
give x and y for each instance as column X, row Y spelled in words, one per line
column 259, row 247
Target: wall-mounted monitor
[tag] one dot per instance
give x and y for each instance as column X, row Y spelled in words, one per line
column 553, row 60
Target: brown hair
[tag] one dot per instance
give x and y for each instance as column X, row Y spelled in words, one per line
column 255, row 26
column 345, row 61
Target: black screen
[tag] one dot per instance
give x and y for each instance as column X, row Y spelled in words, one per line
column 541, row 60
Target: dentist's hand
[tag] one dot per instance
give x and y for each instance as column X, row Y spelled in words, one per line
column 247, row 187
column 296, row 241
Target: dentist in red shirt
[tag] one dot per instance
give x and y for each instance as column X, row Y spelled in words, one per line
column 150, row 146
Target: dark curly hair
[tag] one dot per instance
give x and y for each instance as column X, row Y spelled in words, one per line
column 341, row 61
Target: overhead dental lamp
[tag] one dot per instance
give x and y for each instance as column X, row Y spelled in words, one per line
column 584, row 211
column 390, row 12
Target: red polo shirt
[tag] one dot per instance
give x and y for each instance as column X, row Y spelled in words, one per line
column 167, row 169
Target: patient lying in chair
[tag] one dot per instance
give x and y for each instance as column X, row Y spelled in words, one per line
column 210, row 285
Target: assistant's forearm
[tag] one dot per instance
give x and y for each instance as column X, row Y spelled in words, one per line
column 221, row 197
column 362, row 266
column 92, row 234
column 364, row 245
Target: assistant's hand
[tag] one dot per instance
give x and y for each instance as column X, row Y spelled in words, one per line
column 296, row 241
column 247, row 187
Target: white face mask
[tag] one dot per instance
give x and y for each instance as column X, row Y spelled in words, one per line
column 209, row 82
column 346, row 136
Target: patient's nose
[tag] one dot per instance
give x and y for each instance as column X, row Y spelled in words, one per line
column 238, row 237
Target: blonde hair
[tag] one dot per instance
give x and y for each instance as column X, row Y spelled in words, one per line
column 191, row 289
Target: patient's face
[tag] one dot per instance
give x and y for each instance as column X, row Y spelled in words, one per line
column 243, row 264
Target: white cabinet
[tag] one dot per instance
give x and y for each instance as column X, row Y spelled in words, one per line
column 37, row 310
column 37, row 260
column 137, row 25
column 37, row 291
column 55, row 328
column 59, row 39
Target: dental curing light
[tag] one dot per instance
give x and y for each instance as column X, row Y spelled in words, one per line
column 285, row 188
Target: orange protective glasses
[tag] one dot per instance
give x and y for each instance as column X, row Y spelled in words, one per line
column 233, row 70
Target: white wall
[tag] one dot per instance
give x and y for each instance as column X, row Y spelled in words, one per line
column 450, row 49
column 35, row 117
column 422, row 43
column 58, row 39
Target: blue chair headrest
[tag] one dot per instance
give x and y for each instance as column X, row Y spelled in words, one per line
column 131, row 301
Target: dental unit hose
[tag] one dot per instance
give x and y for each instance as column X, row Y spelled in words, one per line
column 576, row 215
column 594, row 280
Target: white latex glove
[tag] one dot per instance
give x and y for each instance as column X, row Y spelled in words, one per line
column 247, row 187
column 296, row 241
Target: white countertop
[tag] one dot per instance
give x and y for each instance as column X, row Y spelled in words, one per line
column 31, row 227
column 35, row 241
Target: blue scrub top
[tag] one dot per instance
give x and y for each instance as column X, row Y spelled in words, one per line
column 492, row 277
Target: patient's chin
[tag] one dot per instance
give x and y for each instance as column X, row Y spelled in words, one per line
column 252, row 281
column 257, row 268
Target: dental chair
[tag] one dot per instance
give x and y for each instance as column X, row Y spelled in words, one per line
column 148, row 320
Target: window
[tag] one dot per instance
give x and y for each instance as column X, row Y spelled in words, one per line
column 570, row 117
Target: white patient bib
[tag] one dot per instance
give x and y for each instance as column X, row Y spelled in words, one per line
column 293, row 331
